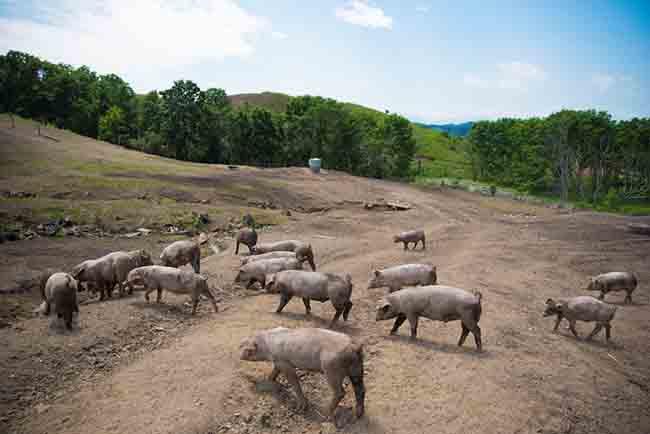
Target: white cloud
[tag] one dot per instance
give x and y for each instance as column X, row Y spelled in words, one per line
column 518, row 75
column 511, row 76
column 604, row 82
column 279, row 35
column 361, row 13
column 423, row 8
column 125, row 36
column 473, row 80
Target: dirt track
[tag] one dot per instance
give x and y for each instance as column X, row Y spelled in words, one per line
column 142, row 368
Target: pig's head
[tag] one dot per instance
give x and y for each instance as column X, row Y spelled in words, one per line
column 270, row 283
column 305, row 253
column 79, row 272
column 552, row 308
column 396, row 239
column 385, row 310
column 249, row 350
column 593, row 285
column 377, row 280
column 240, row 275
column 135, row 277
column 143, row 258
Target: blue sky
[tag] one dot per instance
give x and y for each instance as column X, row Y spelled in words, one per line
column 432, row 61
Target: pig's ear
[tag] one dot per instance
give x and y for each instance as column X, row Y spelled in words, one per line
column 384, row 306
column 377, row 272
column 550, row 301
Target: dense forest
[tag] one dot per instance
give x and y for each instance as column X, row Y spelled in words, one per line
column 578, row 155
column 188, row 123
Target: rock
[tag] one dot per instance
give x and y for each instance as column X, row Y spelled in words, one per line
column 132, row 235
column 287, row 213
column 41, row 408
column 144, row 231
column 204, row 219
column 205, row 201
column 639, row 228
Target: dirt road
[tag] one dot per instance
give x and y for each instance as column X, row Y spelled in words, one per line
column 168, row 373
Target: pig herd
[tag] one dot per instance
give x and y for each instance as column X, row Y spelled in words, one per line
column 413, row 292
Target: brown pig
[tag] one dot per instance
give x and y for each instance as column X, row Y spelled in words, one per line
column 411, row 237
column 334, row 354
column 310, row 285
column 612, row 282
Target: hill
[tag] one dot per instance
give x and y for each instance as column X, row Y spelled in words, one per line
column 458, row 130
column 273, row 101
column 441, row 156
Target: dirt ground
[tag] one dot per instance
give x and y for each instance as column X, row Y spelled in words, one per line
column 135, row 367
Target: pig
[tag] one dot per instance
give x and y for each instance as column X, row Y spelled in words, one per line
column 257, row 271
column 439, row 303
column 614, row 281
column 247, row 237
column 310, row 285
column 60, row 295
column 301, row 249
column 97, row 274
column 411, row 237
column 334, row 354
column 158, row 277
column 123, row 262
column 404, row 275
column 270, row 255
column 182, row 252
column 583, row 308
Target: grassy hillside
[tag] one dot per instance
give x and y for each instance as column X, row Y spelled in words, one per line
column 117, row 189
column 441, row 156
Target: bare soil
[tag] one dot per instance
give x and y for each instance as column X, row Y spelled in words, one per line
column 131, row 366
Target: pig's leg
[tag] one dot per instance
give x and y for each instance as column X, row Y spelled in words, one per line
column 398, row 322
column 572, row 327
column 237, row 248
column 274, row 374
column 209, row 294
column 307, row 306
column 346, row 310
column 335, row 381
column 159, row 295
column 337, row 315
column 406, row 245
column 608, row 331
column 628, row 297
column 602, row 294
column 557, row 323
column 195, row 301
column 476, row 331
column 290, row 372
column 413, row 321
column 46, row 312
column 463, row 335
column 424, row 245
column 595, row 331
column 284, row 299
column 147, row 291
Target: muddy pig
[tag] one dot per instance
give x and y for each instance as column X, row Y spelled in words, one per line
column 247, row 237
column 310, row 285
column 334, row 354
column 439, row 303
column 411, row 237
column 182, row 252
column 612, row 282
column 582, row 308
column 404, row 275
column 97, row 274
column 60, row 295
column 158, row 277
column 303, row 250
column 257, row 271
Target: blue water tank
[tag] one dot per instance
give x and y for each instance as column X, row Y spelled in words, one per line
column 314, row 164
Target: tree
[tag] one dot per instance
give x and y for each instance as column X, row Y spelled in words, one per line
column 181, row 114
column 112, row 125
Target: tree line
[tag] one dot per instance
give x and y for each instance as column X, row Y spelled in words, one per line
column 188, row 123
column 580, row 155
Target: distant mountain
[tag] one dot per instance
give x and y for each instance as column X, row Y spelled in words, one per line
column 451, row 129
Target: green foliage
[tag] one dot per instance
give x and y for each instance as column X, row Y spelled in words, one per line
column 187, row 123
column 581, row 155
column 112, row 125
